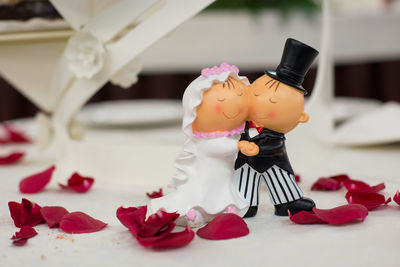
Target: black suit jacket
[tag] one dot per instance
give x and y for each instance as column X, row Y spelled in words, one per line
column 272, row 151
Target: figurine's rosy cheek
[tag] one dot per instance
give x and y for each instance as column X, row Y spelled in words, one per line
column 271, row 115
column 218, row 108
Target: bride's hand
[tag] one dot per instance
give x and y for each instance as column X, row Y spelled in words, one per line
column 248, row 148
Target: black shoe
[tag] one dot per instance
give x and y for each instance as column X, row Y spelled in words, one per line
column 251, row 212
column 294, row 206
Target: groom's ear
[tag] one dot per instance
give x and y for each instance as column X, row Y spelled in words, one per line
column 304, row 117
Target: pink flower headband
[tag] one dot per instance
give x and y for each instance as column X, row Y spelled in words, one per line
column 207, row 72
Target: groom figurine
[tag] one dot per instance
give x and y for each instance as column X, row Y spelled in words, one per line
column 276, row 106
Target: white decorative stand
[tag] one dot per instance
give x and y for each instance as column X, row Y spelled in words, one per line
column 108, row 35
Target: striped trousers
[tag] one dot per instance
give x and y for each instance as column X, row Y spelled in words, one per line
column 281, row 185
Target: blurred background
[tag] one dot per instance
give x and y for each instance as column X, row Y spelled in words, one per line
column 366, row 47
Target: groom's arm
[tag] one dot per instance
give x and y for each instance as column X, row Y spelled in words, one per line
column 263, row 149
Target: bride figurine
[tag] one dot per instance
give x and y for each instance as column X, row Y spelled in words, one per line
column 215, row 110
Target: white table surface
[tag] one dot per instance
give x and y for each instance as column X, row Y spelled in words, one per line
column 273, row 241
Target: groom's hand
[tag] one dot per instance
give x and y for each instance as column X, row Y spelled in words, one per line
column 248, row 148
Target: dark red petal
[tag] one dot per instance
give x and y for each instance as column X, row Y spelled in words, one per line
column 79, row 222
column 53, row 215
column 25, row 232
column 132, row 218
column 20, row 238
column 30, row 213
column 156, row 230
column 155, row 194
column 15, row 136
column 326, row 184
column 11, row 158
column 172, row 240
column 26, row 213
column 351, row 184
column 305, row 217
column 370, row 200
column 121, row 211
column 342, row 214
column 156, row 222
column 20, row 242
column 151, row 239
column 396, row 197
column 15, row 212
column 78, row 183
column 37, row 182
column 224, row 226
column 378, row 187
column 340, row 177
column 297, row 178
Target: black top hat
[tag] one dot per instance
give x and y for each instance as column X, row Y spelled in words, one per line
column 296, row 60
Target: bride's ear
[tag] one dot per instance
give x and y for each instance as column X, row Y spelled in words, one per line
column 304, row 117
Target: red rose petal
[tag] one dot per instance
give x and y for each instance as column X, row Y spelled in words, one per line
column 224, row 226
column 30, row 213
column 340, row 177
column 172, row 240
column 339, row 215
column 297, row 178
column 330, row 183
column 26, row 213
column 37, row 182
column 326, row 184
column 11, row 158
column 26, row 231
column 20, row 242
column 305, row 217
column 351, row 184
column 15, row 212
column 148, row 241
column 53, row 215
column 15, row 136
column 20, row 238
column 396, row 197
column 155, row 194
column 156, row 231
column 78, row 183
column 158, row 221
column 79, row 223
column 370, row 200
column 342, row 214
column 132, row 218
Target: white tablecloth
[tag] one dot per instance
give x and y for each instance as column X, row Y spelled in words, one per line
column 273, row 241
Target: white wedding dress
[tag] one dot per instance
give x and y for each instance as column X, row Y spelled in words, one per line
column 210, row 186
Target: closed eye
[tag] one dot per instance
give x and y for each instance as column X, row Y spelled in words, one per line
column 221, row 100
column 272, row 101
column 256, row 94
column 240, row 94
